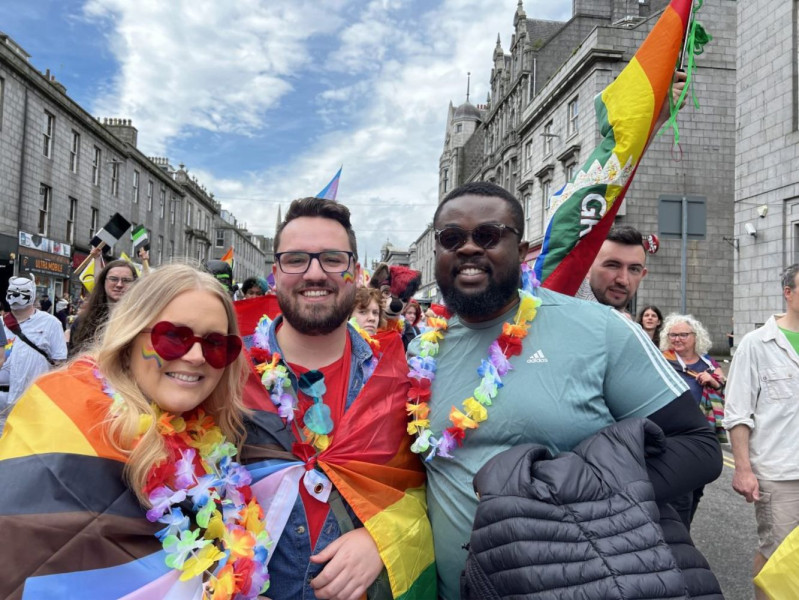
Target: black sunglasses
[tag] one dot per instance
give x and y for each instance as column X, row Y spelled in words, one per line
column 486, row 235
column 172, row 341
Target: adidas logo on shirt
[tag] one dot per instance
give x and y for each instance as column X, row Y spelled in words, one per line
column 537, row 357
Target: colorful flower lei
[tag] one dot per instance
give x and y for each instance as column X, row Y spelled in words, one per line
column 275, row 378
column 423, row 370
column 223, row 533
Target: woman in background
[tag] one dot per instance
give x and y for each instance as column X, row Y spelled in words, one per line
column 651, row 320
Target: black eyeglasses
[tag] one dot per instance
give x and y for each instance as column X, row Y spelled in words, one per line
column 331, row 261
column 123, row 280
column 486, row 235
column 680, row 336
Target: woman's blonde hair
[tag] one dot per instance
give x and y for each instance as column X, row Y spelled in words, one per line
column 702, row 343
column 134, row 312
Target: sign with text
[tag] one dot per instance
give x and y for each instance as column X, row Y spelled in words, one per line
column 44, row 263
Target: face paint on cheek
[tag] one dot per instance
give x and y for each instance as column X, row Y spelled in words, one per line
column 347, row 277
column 149, row 353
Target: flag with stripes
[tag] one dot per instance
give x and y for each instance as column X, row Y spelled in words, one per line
column 330, row 191
column 627, row 112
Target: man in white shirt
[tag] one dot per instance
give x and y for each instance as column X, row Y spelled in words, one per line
column 762, row 416
column 25, row 363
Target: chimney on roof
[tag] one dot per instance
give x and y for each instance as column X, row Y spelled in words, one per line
column 123, row 129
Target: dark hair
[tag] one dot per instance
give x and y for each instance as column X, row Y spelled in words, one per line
column 94, row 312
column 626, row 236
column 489, row 190
column 640, row 321
column 788, row 276
column 250, row 283
column 319, row 207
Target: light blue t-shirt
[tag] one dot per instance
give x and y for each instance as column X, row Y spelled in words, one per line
column 583, row 366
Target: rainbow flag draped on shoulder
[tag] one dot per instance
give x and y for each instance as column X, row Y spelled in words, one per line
column 627, row 113
column 73, row 528
column 368, row 461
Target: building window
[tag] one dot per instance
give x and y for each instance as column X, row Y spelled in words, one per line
column 48, row 129
column 74, row 152
column 160, row 248
column 135, row 187
column 546, row 193
column 528, row 198
column 220, row 238
column 162, row 202
column 94, row 222
column 528, row 156
column 115, row 177
column 548, row 135
column 46, row 192
column 199, row 219
column 171, row 249
column 149, row 195
column 573, row 116
column 446, row 180
column 172, row 209
column 73, row 216
column 458, row 127
column 2, row 98
column 569, row 170
column 189, row 206
column 98, row 154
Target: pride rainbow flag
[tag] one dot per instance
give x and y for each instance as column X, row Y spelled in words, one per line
column 627, row 112
column 369, row 462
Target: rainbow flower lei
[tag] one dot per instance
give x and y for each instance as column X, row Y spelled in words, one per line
column 276, row 379
column 223, row 535
column 423, row 369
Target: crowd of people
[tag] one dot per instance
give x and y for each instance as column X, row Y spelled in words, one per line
column 333, row 450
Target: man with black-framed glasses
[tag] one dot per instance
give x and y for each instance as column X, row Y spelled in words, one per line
column 329, row 425
column 564, row 373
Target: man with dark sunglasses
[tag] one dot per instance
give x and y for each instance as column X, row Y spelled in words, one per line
column 37, row 343
column 571, row 379
column 333, row 435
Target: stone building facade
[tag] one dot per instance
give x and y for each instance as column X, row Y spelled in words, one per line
column 538, row 127
column 767, row 159
column 64, row 173
column 250, row 251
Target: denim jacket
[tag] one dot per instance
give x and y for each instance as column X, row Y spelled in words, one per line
column 292, row 553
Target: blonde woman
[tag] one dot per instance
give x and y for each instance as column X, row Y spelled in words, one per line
column 122, row 463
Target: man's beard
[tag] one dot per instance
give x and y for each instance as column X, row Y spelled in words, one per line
column 488, row 302
column 317, row 319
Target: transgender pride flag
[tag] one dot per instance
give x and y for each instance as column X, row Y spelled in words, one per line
column 627, row 112
column 331, row 189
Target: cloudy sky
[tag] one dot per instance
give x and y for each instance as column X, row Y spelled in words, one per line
column 263, row 100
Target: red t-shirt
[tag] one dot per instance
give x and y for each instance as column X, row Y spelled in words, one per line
column 337, row 376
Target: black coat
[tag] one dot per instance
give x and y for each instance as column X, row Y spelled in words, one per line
column 584, row 525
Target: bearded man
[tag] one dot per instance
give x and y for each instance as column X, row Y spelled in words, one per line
column 573, row 377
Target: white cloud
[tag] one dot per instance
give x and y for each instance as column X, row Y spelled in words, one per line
column 204, row 64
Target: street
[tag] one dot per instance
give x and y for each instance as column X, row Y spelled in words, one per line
column 724, row 530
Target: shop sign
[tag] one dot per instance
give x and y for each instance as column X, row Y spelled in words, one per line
column 44, row 263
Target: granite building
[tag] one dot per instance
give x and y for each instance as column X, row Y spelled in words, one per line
column 537, row 127
column 64, row 173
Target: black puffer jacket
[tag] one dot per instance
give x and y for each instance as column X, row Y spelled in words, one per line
column 584, row 525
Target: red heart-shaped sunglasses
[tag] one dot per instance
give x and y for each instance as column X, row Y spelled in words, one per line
column 172, row 341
